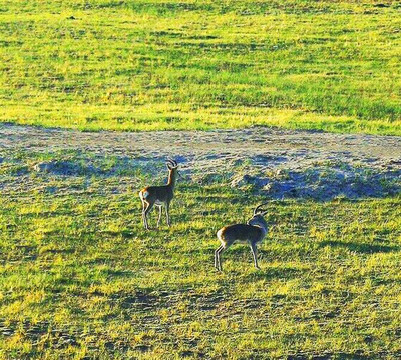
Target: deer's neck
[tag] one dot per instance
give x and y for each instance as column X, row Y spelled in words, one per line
column 171, row 178
column 259, row 222
column 264, row 225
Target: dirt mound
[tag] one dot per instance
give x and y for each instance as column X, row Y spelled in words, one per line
column 323, row 184
column 59, row 167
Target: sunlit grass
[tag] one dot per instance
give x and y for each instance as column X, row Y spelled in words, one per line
column 138, row 65
column 79, row 276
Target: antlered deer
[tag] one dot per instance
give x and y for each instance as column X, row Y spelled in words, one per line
column 159, row 195
column 253, row 232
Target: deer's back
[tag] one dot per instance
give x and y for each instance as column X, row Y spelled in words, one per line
column 157, row 193
column 240, row 233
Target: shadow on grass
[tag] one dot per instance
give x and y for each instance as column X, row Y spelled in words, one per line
column 275, row 272
column 58, row 251
column 125, row 234
column 328, row 356
column 361, row 248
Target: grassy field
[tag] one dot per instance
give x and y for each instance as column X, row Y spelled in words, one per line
column 141, row 65
column 80, row 278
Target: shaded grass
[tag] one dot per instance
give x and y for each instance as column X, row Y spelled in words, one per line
column 146, row 65
column 79, row 277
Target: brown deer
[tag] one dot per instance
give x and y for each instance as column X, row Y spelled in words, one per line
column 159, row 195
column 253, row 232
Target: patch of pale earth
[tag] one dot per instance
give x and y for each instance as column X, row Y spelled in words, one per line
column 276, row 161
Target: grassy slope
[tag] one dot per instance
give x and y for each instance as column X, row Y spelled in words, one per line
column 141, row 65
column 79, row 277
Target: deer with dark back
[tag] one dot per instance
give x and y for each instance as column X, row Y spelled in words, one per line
column 159, row 195
column 252, row 233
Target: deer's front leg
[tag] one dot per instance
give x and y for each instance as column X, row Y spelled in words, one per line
column 168, row 214
column 255, row 255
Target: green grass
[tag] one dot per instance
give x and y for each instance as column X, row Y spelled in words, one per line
column 141, row 65
column 80, row 278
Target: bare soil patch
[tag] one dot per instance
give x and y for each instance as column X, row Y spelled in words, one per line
column 277, row 162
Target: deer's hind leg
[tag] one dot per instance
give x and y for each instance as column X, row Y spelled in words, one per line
column 219, row 251
column 217, row 262
column 143, row 214
column 216, row 257
column 148, row 207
